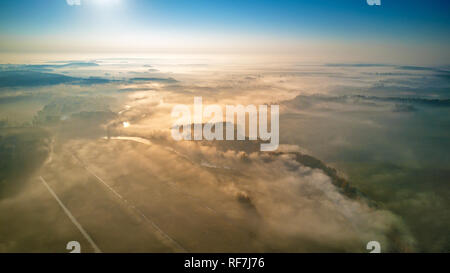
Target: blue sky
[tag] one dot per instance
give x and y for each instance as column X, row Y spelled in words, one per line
column 223, row 25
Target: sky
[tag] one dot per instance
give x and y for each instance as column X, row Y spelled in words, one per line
column 407, row 32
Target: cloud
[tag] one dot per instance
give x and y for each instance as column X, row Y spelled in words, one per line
column 285, row 201
column 267, row 201
column 73, row 2
column 150, row 79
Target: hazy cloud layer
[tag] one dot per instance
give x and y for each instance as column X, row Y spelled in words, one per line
column 381, row 126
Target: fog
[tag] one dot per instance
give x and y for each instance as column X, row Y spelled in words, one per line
column 362, row 158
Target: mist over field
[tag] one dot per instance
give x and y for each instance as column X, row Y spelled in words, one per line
column 363, row 157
